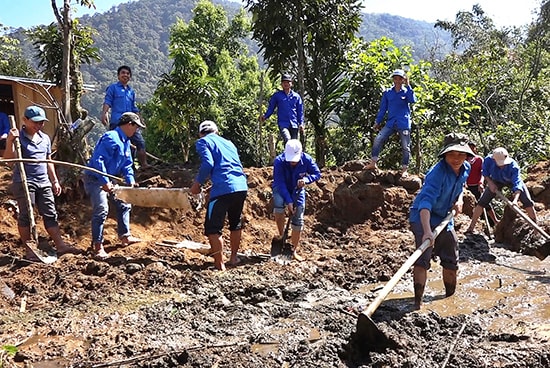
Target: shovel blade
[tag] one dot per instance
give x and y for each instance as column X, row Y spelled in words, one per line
column 154, row 197
column 369, row 334
column 281, row 252
column 43, row 256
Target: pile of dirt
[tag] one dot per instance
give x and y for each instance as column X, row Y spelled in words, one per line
column 154, row 306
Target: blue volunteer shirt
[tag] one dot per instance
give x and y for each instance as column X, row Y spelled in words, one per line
column 285, row 177
column 221, row 163
column 112, row 155
column 441, row 189
column 121, row 99
column 290, row 109
column 36, row 147
column 507, row 174
column 4, row 123
column 397, row 107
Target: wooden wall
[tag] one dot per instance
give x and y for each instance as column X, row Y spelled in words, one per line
column 25, row 93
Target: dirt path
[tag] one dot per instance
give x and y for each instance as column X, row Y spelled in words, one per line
column 152, row 306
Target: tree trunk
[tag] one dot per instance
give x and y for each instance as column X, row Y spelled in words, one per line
column 65, row 81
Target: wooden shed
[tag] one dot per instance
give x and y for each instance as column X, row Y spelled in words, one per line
column 17, row 93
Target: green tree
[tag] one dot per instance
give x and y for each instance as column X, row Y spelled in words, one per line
column 506, row 70
column 211, row 78
column 12, row 61
column 309, row 38
column 48, row 43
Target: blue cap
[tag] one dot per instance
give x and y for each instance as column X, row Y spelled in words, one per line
column 35, row 113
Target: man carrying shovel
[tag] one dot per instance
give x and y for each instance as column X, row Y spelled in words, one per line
column 112, row 156
column 292, row 171
column 442, row 192
column 41, row 178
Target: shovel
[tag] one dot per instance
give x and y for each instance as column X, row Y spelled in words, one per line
column 154, row 197
column 33, row 243
column 281, row 251
column 366, row 328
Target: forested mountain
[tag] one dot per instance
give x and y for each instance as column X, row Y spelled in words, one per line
column 137, row 34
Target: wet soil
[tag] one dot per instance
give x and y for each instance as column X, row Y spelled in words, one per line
column 155, row 306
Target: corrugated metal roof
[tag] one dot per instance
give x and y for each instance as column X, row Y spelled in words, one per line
column 89, row 87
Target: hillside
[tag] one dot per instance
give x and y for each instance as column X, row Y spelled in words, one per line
column 137, row 34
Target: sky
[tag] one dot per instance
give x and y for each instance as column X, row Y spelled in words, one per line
column 15, row 13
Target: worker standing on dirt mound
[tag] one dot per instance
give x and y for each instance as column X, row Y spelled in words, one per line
column 395, row 104
column 475, row 179
column 442, row 191
column 112, row 156
column 41, row 179
column 120, row 97
column 221, row 164
column 290, row 110
column 500, row 170
column 292, row 171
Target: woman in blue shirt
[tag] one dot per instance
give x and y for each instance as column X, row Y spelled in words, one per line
column 442, row 191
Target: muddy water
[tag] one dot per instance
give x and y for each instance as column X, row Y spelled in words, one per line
column 515, row 285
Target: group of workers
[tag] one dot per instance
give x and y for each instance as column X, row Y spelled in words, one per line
column 459, row 167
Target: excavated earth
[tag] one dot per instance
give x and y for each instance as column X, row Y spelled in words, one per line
column 150, row 305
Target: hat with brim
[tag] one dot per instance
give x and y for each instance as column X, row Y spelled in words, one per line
column 35, row 114
column 500, row 155
column 456, row 142
column 398, row 73
column 130, row 118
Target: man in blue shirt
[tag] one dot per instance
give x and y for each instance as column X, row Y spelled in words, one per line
column 290, row 110
column 4, row 130
column 121, row 98
column 500, row 170
column 112, row 156
column 42, row 179
column 442, row 191
column 395, row 104
column 221, row 164
column 292, row 171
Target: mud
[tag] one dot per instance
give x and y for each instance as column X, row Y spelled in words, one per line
column 156, row 306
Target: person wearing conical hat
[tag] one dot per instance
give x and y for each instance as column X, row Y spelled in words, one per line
column 442, row 192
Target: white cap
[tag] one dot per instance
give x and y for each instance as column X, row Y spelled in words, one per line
column 293, row 150
column 398, row 72
column 207, row 126
column 500, row 155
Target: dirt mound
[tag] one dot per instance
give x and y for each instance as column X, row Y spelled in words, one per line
column 157, row 306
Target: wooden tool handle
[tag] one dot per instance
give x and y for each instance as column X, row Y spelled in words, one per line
column 24, row 181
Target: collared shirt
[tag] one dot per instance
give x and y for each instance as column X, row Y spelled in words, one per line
column 286, row 176
column 112, row 155
column 121, row 99
column 507, row 174
column 397, row 107
column 290, row 109
column 476, row 173
column 34, row 147
column 441, row 189
column 221, row 163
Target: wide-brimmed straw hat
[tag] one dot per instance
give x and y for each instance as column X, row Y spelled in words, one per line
column 456, row 142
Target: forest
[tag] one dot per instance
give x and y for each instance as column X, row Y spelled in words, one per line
column 203, row 60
